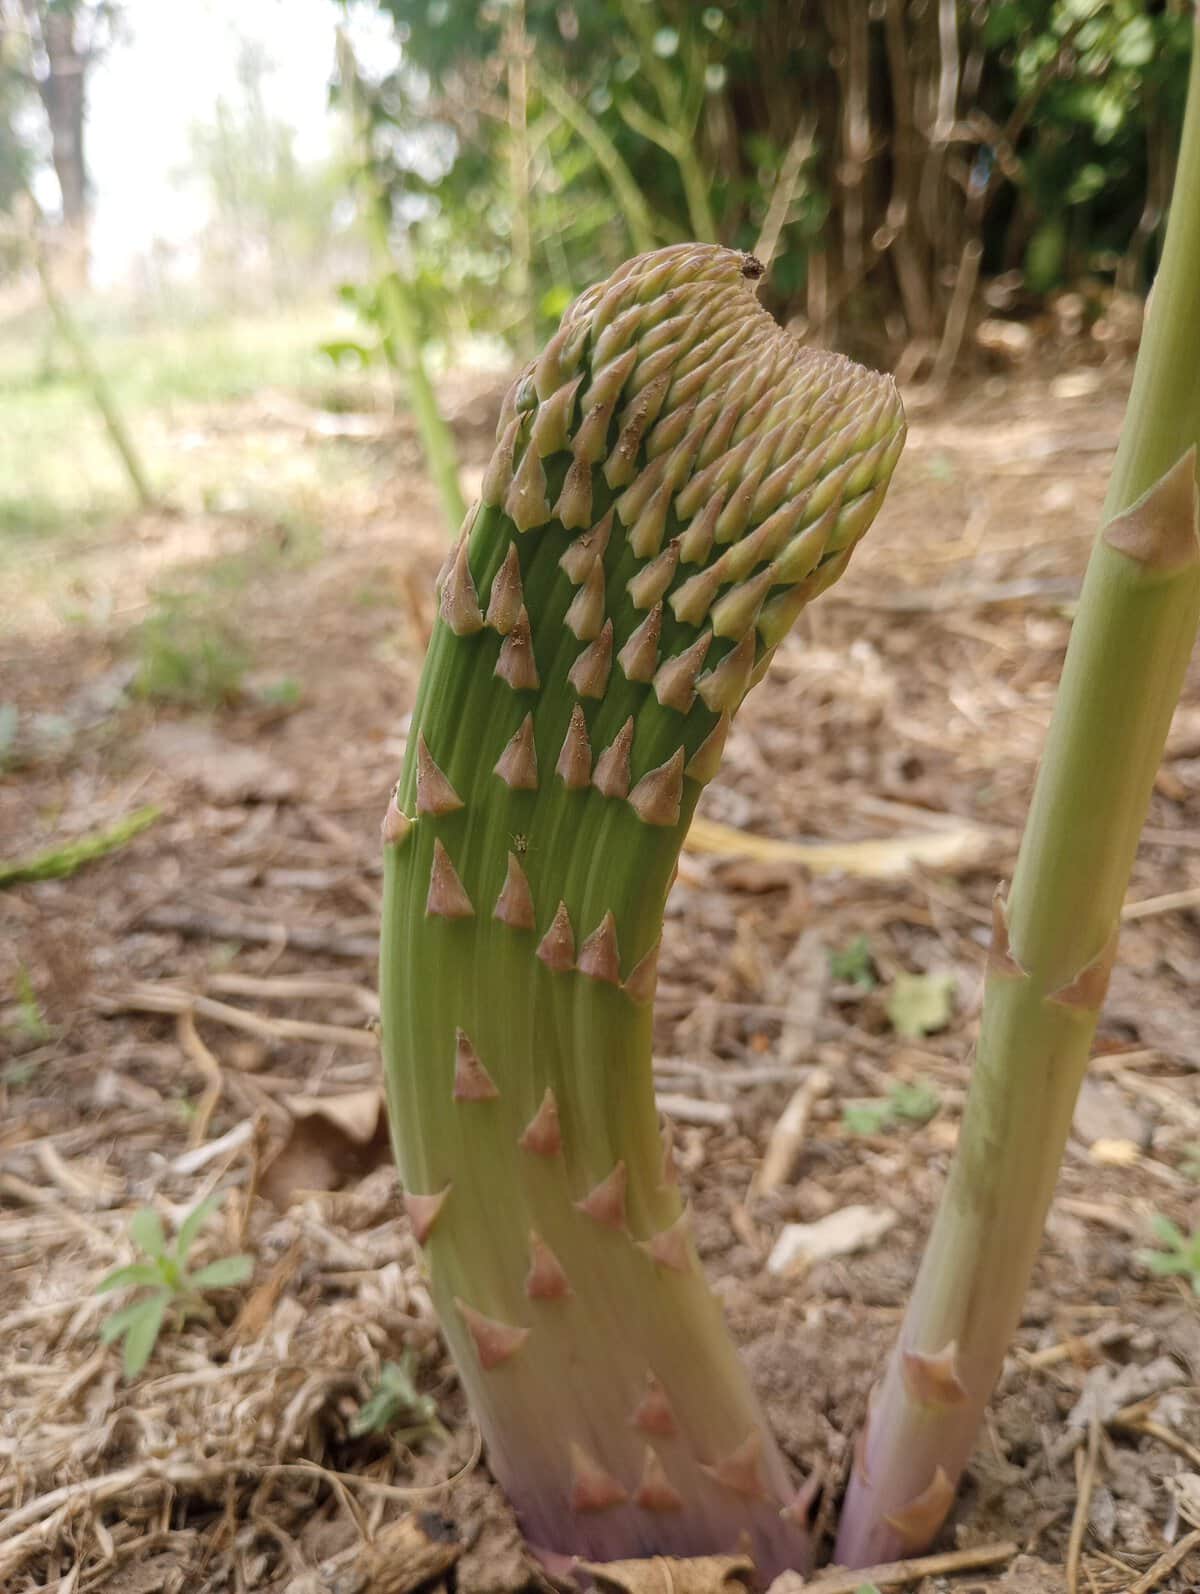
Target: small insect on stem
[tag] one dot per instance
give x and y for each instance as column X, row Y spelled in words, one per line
column 519, row 843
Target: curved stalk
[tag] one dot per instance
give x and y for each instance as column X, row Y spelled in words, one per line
column 674, row 479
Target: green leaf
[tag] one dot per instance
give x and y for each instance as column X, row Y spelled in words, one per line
column 854, row 964
column 146, row 1232
column 116, row 1323
column 394, row 1397
column 1163, row 1263
column 1168, row 1234
column 917, row 1102
column 919, row 1004
column 142, row 1334
column 867, row 1117
column 194, row 1222
column 136, row 1273
column 224, row 1271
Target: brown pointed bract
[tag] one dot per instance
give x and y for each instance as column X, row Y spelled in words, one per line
column 590, row 671
column 639, row 657
column 652, row 580
column 724, row 687
column 542, row 1135
column 472, row 1082
column 460, row 602
column 933, row 1379
column 1162, row 529
column 656, row 797
column 514, row 905
column 545, row 1280
column 517, row 764
column 575, row 760
column 605, row 1202
column 585, row 614
column 640, row 985
column 653, row 1413
column 599, row 956
column 1090, row 986
column 611, row 775
column 435, row 794
column 919, row 1520
column 675, row 681
column 706, row 760
column 668, row 1169
column 669, row 1248
column 656, row 1492
column 574, row 504
column 516, row 663
column 525, row 502
column 396, row 824
column 507, row 597
column 582, row 554
column 495, row 1342
column 592, row 1488
column 447, row 897
column 1000, row 959
column 556, row 949
column 740, row 1469
column 423, row 1211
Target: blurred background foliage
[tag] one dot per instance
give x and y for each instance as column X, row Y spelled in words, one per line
column 891, row 156
column 928, row 180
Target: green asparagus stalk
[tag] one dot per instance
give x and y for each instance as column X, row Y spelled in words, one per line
column 674, row 479
column 1055, row 938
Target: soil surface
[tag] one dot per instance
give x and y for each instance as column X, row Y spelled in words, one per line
column 193, row 1011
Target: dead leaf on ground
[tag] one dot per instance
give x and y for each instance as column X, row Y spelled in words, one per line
column 704, row 1574
column 226, row 772
column 921, row 1004
column 402, row 1557
column 959, row 846
column 332, row 1141
column 853, row 1228
column 259, row 1308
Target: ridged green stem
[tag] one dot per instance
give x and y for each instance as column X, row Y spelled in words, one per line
column 559, row 1378
column 1056, row 935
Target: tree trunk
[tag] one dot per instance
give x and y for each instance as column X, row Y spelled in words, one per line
column 62, row 93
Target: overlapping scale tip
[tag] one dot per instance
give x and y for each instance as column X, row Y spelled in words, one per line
column 687, row 441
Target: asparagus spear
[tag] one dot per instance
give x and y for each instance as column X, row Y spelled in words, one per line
column 674, row 478
column 1056, row 935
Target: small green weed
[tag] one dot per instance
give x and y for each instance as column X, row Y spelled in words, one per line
column 10, row 721
column 1177, row 1252
column 854, row 964
column 395, row 1403
column 286, row 692
column 186, row 655
column 31, row 1021
column 914, row 1104
column 172, row 1288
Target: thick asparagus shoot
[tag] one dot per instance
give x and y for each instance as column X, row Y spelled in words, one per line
column 674, row 479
